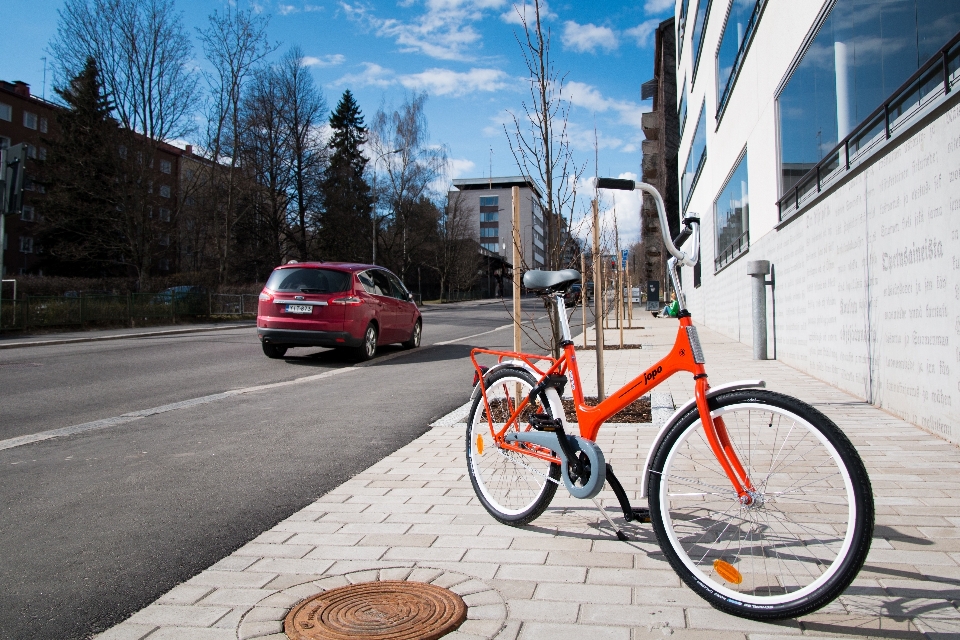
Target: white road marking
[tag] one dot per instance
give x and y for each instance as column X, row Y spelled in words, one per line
column 20, row 441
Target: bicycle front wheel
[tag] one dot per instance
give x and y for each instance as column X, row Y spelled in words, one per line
column 807, row 530
column 513, row 487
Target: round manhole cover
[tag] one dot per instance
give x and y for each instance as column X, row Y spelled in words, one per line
column 387, row 610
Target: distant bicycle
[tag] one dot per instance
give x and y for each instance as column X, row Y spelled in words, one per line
column 759, row 502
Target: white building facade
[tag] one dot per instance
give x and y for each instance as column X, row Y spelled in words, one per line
column 806, row 141
column 489, row 203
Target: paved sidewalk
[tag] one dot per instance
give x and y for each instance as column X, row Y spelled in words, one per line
column 414, row 516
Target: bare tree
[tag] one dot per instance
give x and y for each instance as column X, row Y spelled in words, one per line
column 539, row 140
column 456, row 256
column 304, row 112
column 408, row 166
column 144, row 53
column 234, row 43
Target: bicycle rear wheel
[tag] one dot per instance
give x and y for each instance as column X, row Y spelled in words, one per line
column 514, row 488
column 806, row 534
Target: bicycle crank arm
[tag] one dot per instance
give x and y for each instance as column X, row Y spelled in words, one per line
column 590, row 486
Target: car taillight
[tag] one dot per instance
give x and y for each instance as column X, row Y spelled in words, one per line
column 348, row 300
column 265, row 297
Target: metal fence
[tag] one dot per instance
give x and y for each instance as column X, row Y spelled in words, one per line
column 134, row 308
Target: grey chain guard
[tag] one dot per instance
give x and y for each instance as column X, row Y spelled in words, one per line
column 598, row 464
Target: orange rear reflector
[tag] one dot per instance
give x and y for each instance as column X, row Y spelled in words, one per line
column 480, row 445
column 727, row 571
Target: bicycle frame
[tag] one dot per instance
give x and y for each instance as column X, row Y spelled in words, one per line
column 685, row 355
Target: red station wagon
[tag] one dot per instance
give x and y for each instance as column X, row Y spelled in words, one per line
column 336, row 304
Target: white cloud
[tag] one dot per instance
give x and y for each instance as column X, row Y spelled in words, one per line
column 373, row 75
column 444, row 82
column 659, row 6
column 643, row 32
column 526, row 10
column 588, row 97
column 457, row 167
column 587, row 37
column 619, row 214
column 444, row 31
column 436, row 81
column 330, row 60
column 286, row 9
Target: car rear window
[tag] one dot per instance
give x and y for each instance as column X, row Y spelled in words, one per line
column 309, row 280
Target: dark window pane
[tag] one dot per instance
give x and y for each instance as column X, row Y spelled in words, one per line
column 736, row 32
column 698, row 150
column 703, row 10
column 308, row 280
column 731, row 216
column 682, row 111
column 381, row 284
column 865, row 50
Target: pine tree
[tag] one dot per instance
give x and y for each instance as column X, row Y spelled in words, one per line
column 79, row 175
column 347, row 201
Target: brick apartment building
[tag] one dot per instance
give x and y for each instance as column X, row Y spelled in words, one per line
column 25, row 118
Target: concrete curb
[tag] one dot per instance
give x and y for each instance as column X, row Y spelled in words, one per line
column 145, row 334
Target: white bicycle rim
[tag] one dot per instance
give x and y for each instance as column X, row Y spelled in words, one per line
column 526, row 474
column 797, row 421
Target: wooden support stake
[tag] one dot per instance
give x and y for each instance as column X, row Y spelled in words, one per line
column 516, row 269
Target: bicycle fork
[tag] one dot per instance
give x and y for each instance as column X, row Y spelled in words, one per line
column 719, row 441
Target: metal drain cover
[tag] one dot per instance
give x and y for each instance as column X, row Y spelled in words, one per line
column 386, row 610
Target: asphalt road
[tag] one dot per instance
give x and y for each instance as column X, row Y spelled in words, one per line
column 97, row 525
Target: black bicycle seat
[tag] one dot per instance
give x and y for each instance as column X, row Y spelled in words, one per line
column 538, row 280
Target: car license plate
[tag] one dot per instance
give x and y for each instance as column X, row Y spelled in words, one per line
column 299, row 308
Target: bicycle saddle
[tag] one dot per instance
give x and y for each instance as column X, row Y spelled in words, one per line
column 538, row 280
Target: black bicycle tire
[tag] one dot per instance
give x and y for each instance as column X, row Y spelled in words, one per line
column 863, row 497
column 536, row 508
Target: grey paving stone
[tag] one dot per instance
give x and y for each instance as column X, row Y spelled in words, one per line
column 543, row 611
column 552, row 631
column 236, row 597
column 712, row 619
column 583, row 593
column 186, row 633
column 184, row 594
column 127, row 631
column 541, row 573
column 258, row 629
column 633, row 615
column 184, row 615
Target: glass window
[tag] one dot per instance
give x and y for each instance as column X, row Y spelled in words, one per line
column 489, row 201
column 862, row 53
column 4, row 142
column 43, row 125
column 397, row 289
column 699, row 24
column 43, row 153
column 695, row 159
column 367, row 281
column 731, row 217
column 491, row 246
column 29, row 120
column 6, row 112
column 682, row 109
column 489, row 216
column 740, row 24
column 381, row 284
column 681, row 26
column 26, row 244
column 164, row 191
column 166, row 166
column 308, row 280
column 164, row 215
column 489, row 232
column 26, row 213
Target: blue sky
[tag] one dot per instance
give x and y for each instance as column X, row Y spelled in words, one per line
column 463, row 53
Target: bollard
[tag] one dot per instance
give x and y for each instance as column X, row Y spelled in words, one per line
column 758, row 270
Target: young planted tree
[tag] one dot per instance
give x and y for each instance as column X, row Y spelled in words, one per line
column 539, row 140
column 347, row 199
column 456, row 255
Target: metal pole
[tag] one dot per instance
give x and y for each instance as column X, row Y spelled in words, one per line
column 597, row 296
column 516, row 268
column 629, row 298
column 620, row 303
column 583, row 296
column 758, row 270
column 3, row 216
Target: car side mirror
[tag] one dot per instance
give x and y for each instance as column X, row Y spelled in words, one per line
column 410, row 297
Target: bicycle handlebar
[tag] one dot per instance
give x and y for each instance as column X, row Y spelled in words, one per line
column 691, row 224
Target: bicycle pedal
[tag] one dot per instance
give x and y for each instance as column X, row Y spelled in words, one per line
column 542, row 423
column 640, row 514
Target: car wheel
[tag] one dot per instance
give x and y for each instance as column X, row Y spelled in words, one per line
column 414, row 340
column 368, row 348
column 273, row 350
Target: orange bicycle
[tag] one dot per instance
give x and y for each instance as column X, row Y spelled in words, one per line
column 759, row 501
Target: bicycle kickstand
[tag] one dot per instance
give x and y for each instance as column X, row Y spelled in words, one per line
column 620, row 534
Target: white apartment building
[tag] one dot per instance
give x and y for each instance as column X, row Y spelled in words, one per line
column 806, row 142
column 489, row 203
